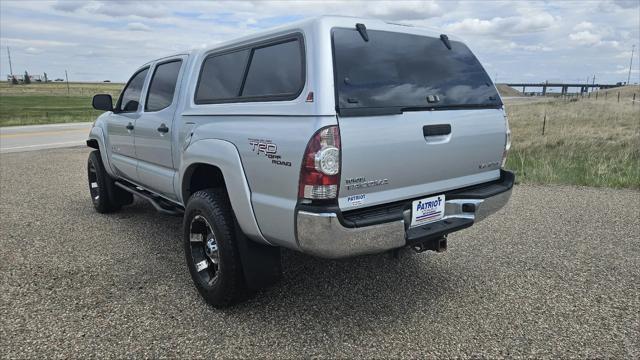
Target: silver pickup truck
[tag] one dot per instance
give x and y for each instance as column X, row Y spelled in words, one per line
column 334, row 136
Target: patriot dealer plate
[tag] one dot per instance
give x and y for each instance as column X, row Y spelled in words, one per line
column 427, row 210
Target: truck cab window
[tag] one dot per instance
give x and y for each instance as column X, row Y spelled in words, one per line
column 130, row 98
column 162, row 86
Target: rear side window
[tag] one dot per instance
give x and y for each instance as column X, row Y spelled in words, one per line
column 162, row 86
column 130, row 98
column 221, row 76
column 401, row 71
column 262, row 72
column 275, row 70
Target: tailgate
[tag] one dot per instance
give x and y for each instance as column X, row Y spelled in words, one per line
column 395, row 157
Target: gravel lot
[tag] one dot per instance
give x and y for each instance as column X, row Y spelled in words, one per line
column 555, row 274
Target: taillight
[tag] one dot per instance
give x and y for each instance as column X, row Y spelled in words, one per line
column 320, row 173
column 507, row 142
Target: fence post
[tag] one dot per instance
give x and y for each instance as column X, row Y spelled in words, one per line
column 618, row 96
column 634, row 99
column 596, row 95
column 544, row 123
column 605, row 95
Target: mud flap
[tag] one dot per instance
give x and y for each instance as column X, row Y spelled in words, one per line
column 261, row 264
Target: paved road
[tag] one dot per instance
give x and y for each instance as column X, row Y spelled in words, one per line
column 38, row 137
column 554, row 275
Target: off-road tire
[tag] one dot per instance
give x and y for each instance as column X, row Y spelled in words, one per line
column 227, row 285
column 105, row 196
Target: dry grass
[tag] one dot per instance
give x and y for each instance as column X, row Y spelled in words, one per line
column 506, row 90
column 586, row 142
column 625, row 92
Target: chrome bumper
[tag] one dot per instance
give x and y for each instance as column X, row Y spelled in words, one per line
column 322, row 234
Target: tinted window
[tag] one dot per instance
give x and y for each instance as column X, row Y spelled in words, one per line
column 221, row 76
column 130, row 98
column 403, row 70
column 275, row 70
column 162, row 86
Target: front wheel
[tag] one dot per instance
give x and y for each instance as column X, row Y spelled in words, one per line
column 211, row 248
column 105, row 196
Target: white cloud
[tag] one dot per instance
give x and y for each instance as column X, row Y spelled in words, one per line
column 584, row 25
column 585, row 38
column 625, row 71
column 137, row 26
column 408, row 10
column 535, row 48
column 504, row 25
column 68, row 5
column 592, row 39
column 36, row 42
column 474, row 26
column 33, row 50
column 141, row 9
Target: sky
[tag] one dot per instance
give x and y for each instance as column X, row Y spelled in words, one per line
column 563, row 41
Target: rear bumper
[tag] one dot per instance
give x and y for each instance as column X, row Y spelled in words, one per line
column 330, row 234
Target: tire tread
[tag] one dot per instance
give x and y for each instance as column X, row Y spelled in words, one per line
column 216, row 202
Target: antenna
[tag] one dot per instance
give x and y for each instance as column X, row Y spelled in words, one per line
column 10, row 67
column 630, row 63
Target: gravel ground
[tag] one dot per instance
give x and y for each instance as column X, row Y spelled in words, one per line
column 555, row 274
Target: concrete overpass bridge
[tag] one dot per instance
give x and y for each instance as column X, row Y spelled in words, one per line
column 564, row 86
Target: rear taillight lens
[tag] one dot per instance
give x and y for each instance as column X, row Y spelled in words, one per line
column 507, row 142
column 320, row 173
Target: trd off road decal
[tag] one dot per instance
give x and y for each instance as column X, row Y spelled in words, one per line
column 269, row 149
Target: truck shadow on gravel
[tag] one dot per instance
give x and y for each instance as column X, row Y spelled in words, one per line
column 379, row 285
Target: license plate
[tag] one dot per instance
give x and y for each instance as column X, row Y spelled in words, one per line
column 427, row 210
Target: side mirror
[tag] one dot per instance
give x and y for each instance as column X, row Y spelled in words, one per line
column 102, row 102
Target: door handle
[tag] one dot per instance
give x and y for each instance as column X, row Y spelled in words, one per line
column 163, row 129
column 129, row 126
column 436, row 130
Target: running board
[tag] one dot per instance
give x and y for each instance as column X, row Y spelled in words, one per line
column 162, row 205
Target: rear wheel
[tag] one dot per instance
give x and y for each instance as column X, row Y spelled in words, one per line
column 211, row 248
column 105, row 195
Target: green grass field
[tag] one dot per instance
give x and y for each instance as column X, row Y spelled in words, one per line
column 50, row 103
column 586, row 142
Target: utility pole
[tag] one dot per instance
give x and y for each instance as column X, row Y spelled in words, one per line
column 10, row 67
column 586, row 88
column 630, row 63
column 67, row 77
